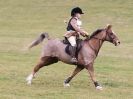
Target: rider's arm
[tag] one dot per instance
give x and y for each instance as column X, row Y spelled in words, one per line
column 77, row 29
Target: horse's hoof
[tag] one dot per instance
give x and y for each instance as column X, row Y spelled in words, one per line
column 28, row 81
column 66, row 85
column 99, row 88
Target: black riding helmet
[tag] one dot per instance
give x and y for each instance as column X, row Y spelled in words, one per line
column 76, row 10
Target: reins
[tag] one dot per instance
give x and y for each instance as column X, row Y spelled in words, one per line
column 100, row 41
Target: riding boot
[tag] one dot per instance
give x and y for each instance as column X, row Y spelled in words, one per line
column 73, row 54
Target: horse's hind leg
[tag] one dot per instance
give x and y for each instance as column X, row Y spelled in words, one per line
column 44, row 61
column 75, row 72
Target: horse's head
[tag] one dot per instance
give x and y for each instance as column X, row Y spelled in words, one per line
column 105, row 34
column 111, row 36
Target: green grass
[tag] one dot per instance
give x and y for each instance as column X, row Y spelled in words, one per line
column 21, row 21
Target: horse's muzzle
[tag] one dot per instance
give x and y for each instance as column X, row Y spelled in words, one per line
column 117, row 43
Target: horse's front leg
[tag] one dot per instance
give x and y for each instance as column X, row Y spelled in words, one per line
column 90, row 69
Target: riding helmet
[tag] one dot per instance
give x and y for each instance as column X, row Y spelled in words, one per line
column 76, row 10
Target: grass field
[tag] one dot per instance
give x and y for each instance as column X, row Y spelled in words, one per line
column 21, row 21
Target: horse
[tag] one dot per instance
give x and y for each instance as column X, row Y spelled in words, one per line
column 54, row 51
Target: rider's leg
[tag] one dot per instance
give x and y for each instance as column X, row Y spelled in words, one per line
column 72, row 41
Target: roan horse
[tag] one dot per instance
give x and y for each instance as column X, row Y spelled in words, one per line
column 54, row 51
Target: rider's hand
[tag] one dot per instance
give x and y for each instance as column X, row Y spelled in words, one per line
column 84, row 34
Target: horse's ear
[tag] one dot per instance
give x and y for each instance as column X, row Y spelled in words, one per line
column 109, row 26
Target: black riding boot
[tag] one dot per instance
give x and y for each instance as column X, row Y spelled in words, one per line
column 73, row 54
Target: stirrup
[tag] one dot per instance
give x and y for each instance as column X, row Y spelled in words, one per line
column 74, row 60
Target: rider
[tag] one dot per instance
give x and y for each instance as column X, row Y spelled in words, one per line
column 74, row 30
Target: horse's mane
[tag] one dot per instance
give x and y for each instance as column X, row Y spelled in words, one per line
column 94, row 33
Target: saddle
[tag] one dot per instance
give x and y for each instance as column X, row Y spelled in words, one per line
column 68, row 47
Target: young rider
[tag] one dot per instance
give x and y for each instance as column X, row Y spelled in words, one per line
column 74, row 30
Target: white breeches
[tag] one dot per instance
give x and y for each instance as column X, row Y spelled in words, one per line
column 72, row 40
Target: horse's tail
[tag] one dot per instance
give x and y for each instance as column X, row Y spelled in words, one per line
column 39, row 40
